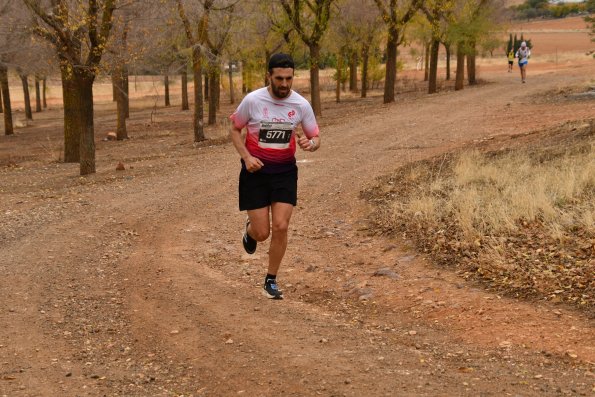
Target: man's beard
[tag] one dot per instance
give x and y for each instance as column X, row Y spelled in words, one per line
column 279, row 94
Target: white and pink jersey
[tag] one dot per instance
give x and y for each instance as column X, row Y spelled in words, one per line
column 271, row 125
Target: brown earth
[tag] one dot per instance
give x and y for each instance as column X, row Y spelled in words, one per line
column 554, row 38
column 570, row 23
column 134, row 283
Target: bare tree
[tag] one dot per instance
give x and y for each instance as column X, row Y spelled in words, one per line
column 396, row 15
column 7, row 50
column 437, row 11
column 27, row 98
column 216, row 42
column 360, row 24
column 196, row 40
column 120, row 74
column 8, row 126
column 45, row 89
column 310, row 21
column 166, row 87
column 200, row 42
column 184, row 73
column 470, row 21
column 120, row 53
column 37, row 95
column 79, row 36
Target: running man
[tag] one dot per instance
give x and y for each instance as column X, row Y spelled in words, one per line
column 523, row 55
column 510, row 60
column 268, row 179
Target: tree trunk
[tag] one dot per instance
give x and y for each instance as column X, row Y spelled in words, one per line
column 207, row 88
column 427, row 62
column 353, row 72
column 460, row 76
column 250, row 81
column 432, row 86
column 26, row 96
column 72, row 136
column 339, row 78
column 471, row 65
column 8, row 127
column 391, row 65
column 1, row 106
column 267, row 56
column 37, row 96
column 114, row 86
column 447, row 47
column 214, row 77
column 166, row 83
column 314, row 79
column 185, row 89
column 365, row 58
column 126, row 85
column 199, row 134
column 79, row 134
column 83, row 98
column 217, row 91
column 232, row 98
column 121, row 132
column 45, row 85
column 210, row 97
column 244, row 77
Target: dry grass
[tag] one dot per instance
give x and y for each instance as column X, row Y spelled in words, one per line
column 521, row 220
column 489, row 195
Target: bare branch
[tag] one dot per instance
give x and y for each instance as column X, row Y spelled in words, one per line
column 185, row 22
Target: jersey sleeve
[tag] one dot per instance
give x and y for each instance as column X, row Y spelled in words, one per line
column 241, row 116
column 309, row 124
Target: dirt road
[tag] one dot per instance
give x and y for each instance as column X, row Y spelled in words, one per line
column 134, row 283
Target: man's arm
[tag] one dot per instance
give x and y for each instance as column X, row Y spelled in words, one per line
column 309, row 145
column 309, row 142
column 252, row 163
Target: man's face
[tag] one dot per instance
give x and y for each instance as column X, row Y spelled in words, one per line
column 281, row 80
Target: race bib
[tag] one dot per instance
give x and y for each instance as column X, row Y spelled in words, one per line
column 275, row 135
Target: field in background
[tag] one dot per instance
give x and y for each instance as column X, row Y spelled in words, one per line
column 567, row 35
column 555, row 42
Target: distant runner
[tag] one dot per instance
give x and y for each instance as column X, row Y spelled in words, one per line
column 268, row 179
column 510, row 60
column 523, row 55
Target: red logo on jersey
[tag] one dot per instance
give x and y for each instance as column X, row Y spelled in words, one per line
column 291, row 114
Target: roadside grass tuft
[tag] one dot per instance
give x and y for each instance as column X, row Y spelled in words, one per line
column 519, row 220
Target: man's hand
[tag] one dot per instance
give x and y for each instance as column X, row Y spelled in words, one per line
column 306, row 144
column 253, row 164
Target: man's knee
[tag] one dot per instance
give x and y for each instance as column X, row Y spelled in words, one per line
column 259, row 234
column 280, row 227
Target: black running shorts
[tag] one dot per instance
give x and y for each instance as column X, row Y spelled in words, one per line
column 258, row 190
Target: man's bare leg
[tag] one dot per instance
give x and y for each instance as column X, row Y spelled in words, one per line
column 524, row 73
column 281, row 213
column 259, row 228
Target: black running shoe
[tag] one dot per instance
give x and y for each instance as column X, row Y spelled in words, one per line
column 248, row 242
column 270, row 289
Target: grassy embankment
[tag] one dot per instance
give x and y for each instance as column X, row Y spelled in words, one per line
column 520, row 220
